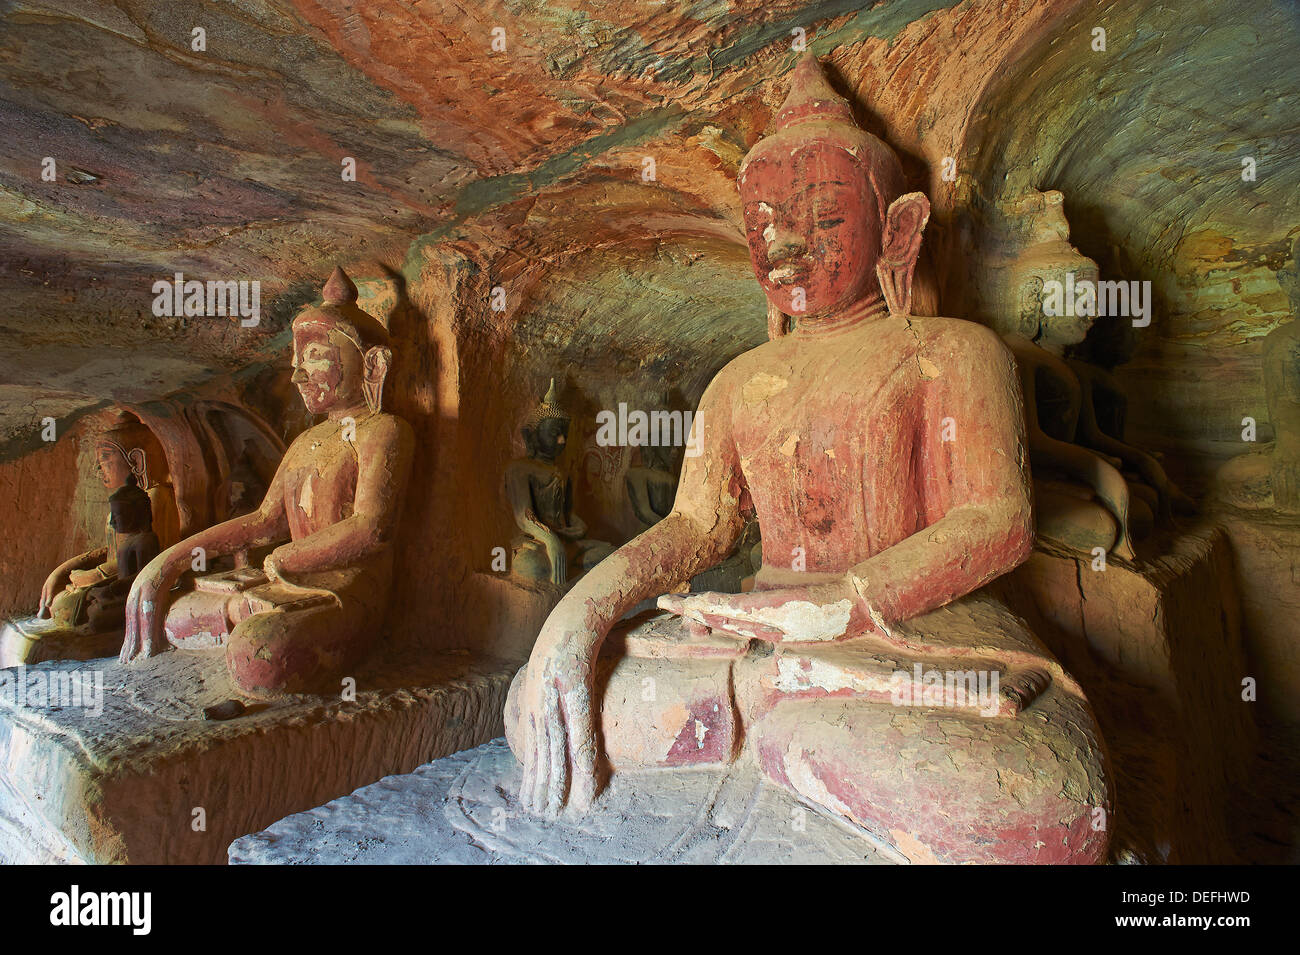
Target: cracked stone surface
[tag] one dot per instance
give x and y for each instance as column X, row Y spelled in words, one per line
column 462, row 810
column 122, row 785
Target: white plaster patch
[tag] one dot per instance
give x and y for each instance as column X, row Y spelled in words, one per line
column 762, row 386
column 794, row 676
column 305, row 496
column 700, row 732
column 805, row 620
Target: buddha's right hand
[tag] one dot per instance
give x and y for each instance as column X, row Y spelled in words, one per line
column 54, row 585
column 559, row 559
column 146, row 608
column 558, row 732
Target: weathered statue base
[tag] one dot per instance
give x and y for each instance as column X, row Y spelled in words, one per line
column 150, row 780
column 463, row 810
column 1014, row 773
column 1156, row 635
column 1158, row 647
column 29, row 640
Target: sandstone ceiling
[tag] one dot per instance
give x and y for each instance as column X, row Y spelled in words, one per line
column 226, row 163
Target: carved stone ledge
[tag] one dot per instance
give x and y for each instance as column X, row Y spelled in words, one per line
column 123, row 785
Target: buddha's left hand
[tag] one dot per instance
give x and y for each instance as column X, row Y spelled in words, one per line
column 835, row 610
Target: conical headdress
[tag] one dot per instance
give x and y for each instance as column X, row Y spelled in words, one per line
column 340, row 307
column 811, row 98
column 813, row 109
column 548, row 409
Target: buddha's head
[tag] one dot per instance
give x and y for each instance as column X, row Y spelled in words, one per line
column 820, row 196
column 341, row 354
column 130, row 510
column 546, row 429
column 1045, row 271
column 126, row 448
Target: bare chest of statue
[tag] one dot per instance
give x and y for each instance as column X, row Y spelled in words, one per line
column 826, row 431
column 320, row 483
column 548, row 488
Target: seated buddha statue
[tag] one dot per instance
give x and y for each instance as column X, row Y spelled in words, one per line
column 125, row 450
column 835, row 434
column 552, row 538
column 1092, row 488
column 651, row 485
column 317, row 604
column 131, row 520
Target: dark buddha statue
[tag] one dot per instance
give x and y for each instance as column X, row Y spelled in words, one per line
column 552, row 537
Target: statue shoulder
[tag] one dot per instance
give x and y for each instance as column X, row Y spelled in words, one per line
column 733, row 375
column 961, row 336
column 385, row 428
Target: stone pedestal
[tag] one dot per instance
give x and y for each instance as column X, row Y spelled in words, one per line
column 463, row 810
column 28, row 640
column 1158, row 647
column 138, row 775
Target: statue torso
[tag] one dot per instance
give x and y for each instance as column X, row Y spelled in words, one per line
column 547, row 491
column 836, row 435
column 320, row 478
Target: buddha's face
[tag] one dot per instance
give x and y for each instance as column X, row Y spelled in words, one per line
column 550, row 436
column 1058, row 270
column 812, row 224
column 327, row 367
column 112, row 466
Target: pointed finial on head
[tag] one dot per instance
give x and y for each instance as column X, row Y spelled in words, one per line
column 548, row 408
column 339, row 289
column 811, row 97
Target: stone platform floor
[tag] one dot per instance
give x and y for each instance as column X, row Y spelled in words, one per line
column 142, row 777
column 463, row 810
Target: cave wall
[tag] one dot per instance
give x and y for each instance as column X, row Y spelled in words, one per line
column 52, row 517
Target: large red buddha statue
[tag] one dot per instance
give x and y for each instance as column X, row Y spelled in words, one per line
column 885, row 456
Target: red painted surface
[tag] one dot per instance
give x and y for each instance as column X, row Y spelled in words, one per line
column 331, row 510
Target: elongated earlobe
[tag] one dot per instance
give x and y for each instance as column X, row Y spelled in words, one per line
column 376, row 362
column 901, row 244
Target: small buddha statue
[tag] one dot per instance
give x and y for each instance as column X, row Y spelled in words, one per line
column 552, row 537
column 889, row 449
column 1092, row 489
column 1269, row 478
column 652, row 484
column 125, row 450
column 317, row 605
column 131, row 519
